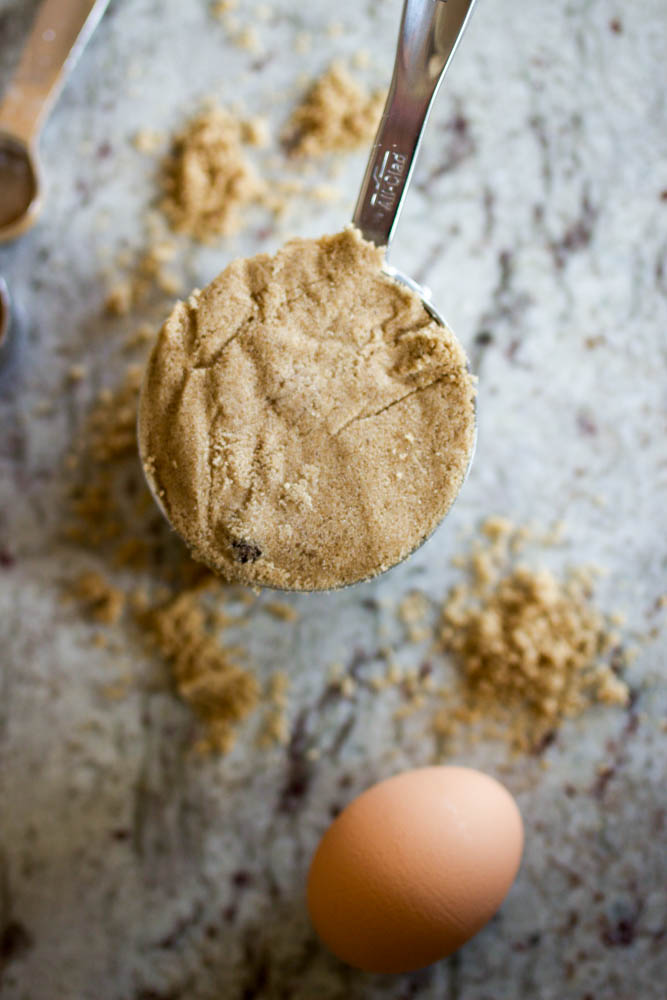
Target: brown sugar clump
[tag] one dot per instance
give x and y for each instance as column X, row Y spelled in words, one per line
column 147, row 140
column 274, row 728
column 304, row 421
column 119, row 299
column 111, row 439
column 219, row 692
column 150, row 273
column 530, row 647
column 281, row 611
column 104, row 602
column 112, row 424
column 208, row 179
column 337, row 115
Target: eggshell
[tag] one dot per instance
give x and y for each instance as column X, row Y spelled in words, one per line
column 414, row 867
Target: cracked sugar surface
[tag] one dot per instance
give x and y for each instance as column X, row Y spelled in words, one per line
column 303, row 419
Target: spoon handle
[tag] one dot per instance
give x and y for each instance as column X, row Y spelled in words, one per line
column 429, row 34
column 58, row 36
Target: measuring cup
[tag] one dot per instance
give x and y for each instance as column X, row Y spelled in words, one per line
column 429, row 34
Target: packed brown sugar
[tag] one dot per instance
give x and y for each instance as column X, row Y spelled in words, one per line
column 304, row 422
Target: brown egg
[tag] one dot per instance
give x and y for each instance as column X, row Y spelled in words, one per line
column 414, row 867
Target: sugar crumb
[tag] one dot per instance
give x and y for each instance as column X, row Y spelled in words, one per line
column 223, row 7
column 208, row 180
column 76, row 373
column 248, row 39
column 103, row 601
column 220, row 693
column 148, row 141
column 336, row 115
column 282, row 611
column 530, row 647
column 119, row 299
column 303, row 42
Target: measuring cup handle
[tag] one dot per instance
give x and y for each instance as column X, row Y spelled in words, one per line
column 429, row 34
column 58, row 36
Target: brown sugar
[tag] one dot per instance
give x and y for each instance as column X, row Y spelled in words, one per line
column 223, row 7
column 412, row 611
column 148, row 141
column 337, row 115
column 281, row 611
column 207, row 177
column 111, row 438
column 119, row 299
column 172, row 615
column 274, row 728
column 219, row 692
column 150, row 272
column 105, row 603
column 304, row 421
column 531, row 649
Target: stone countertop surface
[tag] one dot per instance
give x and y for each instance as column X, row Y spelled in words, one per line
column 132, row 869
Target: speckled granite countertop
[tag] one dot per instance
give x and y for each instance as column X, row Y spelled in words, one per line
column 131, row 870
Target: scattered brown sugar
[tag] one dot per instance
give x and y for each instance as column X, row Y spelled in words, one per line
column 248, row 39
column 531, row 649
column 281, row 611
column 148, row 141
column 172, row 611
column 104, row 602
column 96, row 518
column 337, row 115
column 413, row 608
column 149, row 272
column 413, row 611
column 119, row 690
column 208, row 179
column 219, row 692
column 119, row 299
column 76, row 373
column 143, row 335
column 304, row 421
column 112, row 422
column 221, row 8
column 361, row 59
column 274, row 729
column 255, row 132
column 209, row 182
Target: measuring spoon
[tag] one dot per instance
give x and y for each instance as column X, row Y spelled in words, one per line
column 429, row 34
column 60, row 32
column 428, row 37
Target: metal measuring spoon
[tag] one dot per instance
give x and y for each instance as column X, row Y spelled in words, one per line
column 429, row 34
column 428, row 37
column 60, row 32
